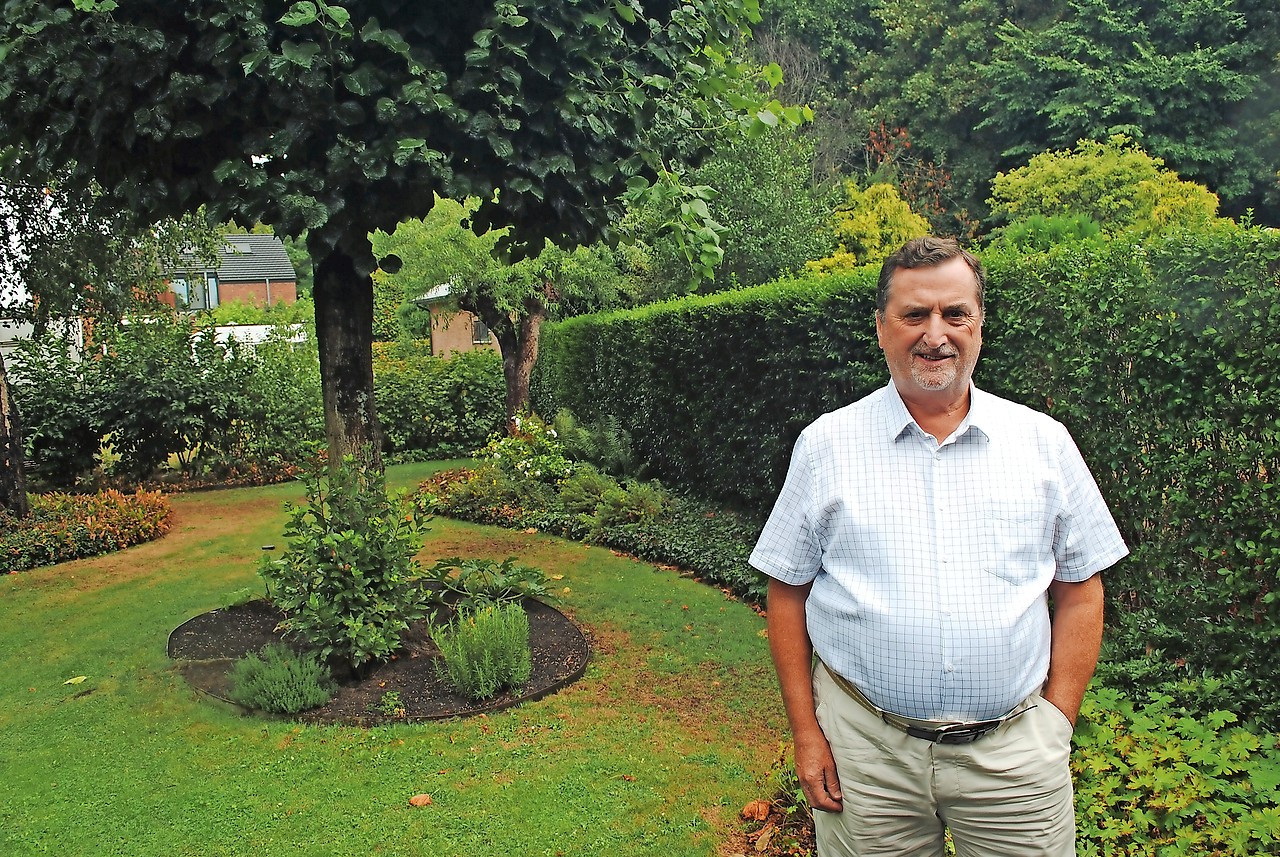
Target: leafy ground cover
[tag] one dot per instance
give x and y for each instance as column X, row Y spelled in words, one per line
column 670, row 733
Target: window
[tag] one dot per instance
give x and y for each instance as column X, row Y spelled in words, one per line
column 479, row 333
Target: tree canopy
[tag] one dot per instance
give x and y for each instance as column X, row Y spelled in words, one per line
column 980, row 86
column 339, row 119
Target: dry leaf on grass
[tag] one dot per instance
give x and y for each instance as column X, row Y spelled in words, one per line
column 762, row 844
column 420, row 800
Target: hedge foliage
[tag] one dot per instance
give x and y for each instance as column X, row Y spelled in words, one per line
column 435, row 407
column 63, row 527
column 714, row 390
column 167, row 390
column 1158, row 357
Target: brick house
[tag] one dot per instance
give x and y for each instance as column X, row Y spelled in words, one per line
column 454, row 329
column 252, row 269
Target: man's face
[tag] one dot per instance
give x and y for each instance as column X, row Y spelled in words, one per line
column 931, row 330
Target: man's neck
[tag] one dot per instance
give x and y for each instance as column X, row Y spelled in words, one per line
column 939, row 415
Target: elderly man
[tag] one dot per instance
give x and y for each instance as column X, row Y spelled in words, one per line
column 919, row 540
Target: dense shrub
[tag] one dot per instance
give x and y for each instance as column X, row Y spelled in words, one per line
column 159, row 389
column 348, row 583
column 164, row 390
column 603, row 442
column 664, row 528
column 439, row 408
column 714, row 390
column 1157, row 779
column 280, row 680
column 63, row 527
column 61, row 432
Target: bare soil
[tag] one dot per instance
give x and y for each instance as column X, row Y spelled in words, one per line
column 206, row 646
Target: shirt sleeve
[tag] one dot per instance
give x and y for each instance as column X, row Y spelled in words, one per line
column 1087, row 539
column 788, row 549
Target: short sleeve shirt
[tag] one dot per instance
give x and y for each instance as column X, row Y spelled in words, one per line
column 931, row 562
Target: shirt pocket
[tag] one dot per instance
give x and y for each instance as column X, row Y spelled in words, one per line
column 1015, row 537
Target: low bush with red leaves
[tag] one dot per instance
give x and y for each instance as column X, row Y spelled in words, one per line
column 63, row 527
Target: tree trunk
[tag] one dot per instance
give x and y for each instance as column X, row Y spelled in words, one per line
column 13, row 479
column 519, row 343
column 344, row 332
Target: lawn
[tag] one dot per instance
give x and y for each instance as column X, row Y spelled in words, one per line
column 670, row 732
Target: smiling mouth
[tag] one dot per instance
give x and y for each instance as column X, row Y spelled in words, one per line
column 934, row 358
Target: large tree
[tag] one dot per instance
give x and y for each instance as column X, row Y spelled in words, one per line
column 338, row 119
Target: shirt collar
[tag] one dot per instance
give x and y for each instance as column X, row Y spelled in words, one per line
column 980, row 417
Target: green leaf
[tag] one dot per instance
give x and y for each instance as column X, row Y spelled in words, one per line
column 251, row 62
column 303, row 55
column 625, row 12
column 338, row 15
column 301, row 14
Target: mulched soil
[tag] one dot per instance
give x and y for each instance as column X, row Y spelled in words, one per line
column 206, row 646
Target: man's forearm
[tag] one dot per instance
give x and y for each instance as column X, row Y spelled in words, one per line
column 1076, row 642
column 793, row 659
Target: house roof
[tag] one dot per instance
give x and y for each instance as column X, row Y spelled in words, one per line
column 435, row 295
column 253, row 257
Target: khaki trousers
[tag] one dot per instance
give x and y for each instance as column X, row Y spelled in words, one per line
column 1008, row 793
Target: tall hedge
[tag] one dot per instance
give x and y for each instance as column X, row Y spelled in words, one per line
column 714, row 390
column 1160, row 358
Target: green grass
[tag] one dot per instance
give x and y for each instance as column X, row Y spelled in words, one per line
column 670, row 732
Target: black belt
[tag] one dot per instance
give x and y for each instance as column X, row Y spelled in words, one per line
column 941, row 733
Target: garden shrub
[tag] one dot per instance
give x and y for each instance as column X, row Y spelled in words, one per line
column 54, row 396
column 281, row 681
column 603, row 443
column 437, row 407
column 1157, row 779
column 63, row 527
column 161, row 388
column 485, row 650
column 530, row 450
column 709, row 541
column 348, row 583
column 582, row 492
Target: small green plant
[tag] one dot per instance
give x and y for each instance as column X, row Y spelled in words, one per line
column 485, row 650
column 602, row 442
column 583, row 491
column 280, row 680
column 389, row 704
column 467, row 584
column 1152, row 779
column 632, row 503
column 348, row 583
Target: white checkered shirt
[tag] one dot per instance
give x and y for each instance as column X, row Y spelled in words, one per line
column 931, row 562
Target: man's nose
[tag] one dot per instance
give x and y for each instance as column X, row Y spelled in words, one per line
column 935, row 331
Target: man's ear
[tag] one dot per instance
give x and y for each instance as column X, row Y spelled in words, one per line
column 879, row 328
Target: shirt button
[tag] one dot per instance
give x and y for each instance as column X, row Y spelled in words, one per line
column 951, row 668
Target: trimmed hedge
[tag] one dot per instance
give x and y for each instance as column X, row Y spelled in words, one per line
column 1159, row 358
column 715, row 390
